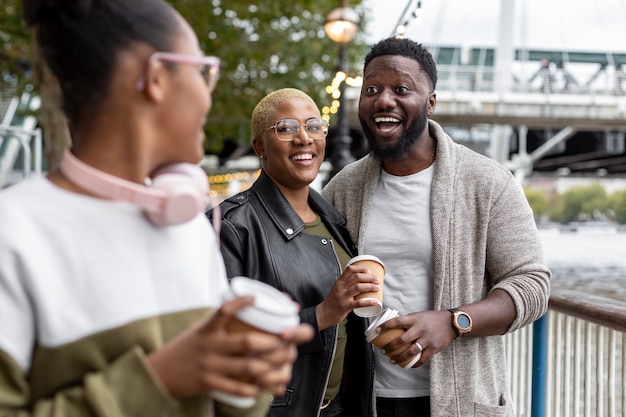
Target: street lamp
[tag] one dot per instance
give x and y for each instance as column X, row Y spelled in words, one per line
column 341, row 26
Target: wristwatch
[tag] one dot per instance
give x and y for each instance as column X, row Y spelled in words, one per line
column 461, row 321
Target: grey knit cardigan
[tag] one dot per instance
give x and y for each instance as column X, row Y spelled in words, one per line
column 484, row 238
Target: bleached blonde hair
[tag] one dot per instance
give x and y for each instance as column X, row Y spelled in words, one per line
column 262, row 113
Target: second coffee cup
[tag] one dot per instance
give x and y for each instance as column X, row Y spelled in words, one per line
column 381, row 340
column 272, row 312
column 377, row 268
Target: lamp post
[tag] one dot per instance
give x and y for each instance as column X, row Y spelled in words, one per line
column 341, row 26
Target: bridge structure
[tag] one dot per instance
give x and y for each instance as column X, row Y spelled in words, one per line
column 571, row 120
column 534, row 110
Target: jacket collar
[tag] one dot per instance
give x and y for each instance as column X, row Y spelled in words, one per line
column 283, row 215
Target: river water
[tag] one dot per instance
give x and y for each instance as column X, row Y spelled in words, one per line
column 591, row 261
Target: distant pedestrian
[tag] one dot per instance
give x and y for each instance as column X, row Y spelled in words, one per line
column 547, row 78
column 618, row 90
column 568, row 79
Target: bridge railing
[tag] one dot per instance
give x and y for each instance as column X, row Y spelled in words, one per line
column 482, row 79
column 583, row 371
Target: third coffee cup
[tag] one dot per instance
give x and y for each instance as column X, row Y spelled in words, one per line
column 381, row 340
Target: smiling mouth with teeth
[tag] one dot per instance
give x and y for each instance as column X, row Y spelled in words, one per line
column 386, row 120
column 302, row 157
column 386, row 123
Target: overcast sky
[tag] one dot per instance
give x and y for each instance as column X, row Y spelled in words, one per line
column 574, row 25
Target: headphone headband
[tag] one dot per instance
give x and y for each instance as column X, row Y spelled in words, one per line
column 109, row 186
column 177, row 194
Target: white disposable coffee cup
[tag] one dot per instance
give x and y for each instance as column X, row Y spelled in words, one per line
column 380, row 340
column 272, row 312
column 377, row 268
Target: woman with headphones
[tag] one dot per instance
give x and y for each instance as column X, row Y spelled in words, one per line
column 109, row 305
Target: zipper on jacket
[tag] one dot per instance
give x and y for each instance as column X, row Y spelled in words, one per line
column 321, row 401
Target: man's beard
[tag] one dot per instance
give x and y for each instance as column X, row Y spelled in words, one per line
column 397, row 151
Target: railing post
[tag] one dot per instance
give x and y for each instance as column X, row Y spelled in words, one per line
column 540, row 355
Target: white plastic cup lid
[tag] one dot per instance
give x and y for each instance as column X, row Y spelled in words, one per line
column 272, row 310
column 233, row 400
column 365, row 258
column 387, row 314
column 369, row 311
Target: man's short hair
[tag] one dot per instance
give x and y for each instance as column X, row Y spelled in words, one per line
column 408, row 48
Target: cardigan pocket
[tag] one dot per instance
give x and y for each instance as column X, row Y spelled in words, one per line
column 484, row 410
column 489, row 410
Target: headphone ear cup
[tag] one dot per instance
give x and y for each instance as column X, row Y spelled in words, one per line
column 186, row 188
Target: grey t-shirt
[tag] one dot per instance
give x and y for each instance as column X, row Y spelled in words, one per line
column 399, row 232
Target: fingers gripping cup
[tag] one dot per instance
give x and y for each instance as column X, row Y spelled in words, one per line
column 272, row 312
column 377, row 268
column 381, row 340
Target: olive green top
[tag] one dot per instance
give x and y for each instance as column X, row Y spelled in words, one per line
column 317, row 228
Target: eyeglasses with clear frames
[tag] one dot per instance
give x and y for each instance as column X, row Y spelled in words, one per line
column 209, row 66
column 289, row 129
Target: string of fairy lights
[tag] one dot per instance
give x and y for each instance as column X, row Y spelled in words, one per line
column 334, row 91
column 413, row 12
column 222, row 184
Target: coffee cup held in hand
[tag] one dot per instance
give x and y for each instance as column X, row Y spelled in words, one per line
column 272, row 312
column 377, row 268
column 380, row 340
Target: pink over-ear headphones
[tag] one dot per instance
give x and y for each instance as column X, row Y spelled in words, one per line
column 177, row 194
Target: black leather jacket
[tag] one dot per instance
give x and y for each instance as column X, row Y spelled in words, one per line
column 263, row 238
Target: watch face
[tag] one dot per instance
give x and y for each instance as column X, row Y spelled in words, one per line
column 463, row 321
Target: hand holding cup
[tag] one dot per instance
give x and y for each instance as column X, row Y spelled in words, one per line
column 206, row 357
column 377, row 268
column 272, row 313
column 380, row 340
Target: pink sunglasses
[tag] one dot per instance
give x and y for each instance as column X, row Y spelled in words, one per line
column 209, row 66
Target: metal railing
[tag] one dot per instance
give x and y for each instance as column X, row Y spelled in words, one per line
column 20, row 140
column 576, row 365
column 28, row 143
column 483, row 78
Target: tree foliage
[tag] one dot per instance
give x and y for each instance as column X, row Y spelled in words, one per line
column 263, row 47
column 581, row 203
column 538, row 201
column 16, row 51
column 588, row 202
column 617, row 202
